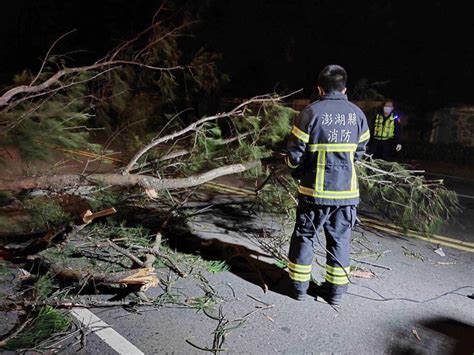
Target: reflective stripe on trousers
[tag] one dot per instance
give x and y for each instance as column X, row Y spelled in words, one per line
column 337, row 223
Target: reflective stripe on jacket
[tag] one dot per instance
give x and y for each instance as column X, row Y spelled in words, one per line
column 326, row 138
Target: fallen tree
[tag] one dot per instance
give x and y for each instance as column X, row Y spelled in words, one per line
column 400, row 194
column 404, row 196
column 61, row 105
column 57, row 182
column 56, row 107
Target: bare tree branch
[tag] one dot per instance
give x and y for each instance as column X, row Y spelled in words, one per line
column 67, row 304
column 29, row 89
column 147, row 182
column 157, row 40
column 13, row 124
column 14, row 332
column 47, row 55
column 129, row 255
column 238, row 110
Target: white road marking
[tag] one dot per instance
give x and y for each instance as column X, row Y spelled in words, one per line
column 105, row 332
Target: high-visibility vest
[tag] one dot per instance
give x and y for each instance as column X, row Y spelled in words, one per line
column 384, row 128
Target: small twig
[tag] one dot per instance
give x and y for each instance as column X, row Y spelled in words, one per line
column 17, row 331
column 267, row 179
column 366, row 247
column 231, row 288
column 372, row 264
column 415, row 333
column 127, row 254
column 269, row 318
column 255, row 311
column 172, row 155
column 143, row 297
column 201, row 348
column 47, row 55
column 70, row 304
column 259, row 300
column 159, row 254
column 151, row 256
column 286, row 189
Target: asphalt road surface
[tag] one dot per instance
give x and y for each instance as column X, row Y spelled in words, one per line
column 417, row 303
column 463, row 227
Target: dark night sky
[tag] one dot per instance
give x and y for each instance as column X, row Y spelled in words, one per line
column 424, row 50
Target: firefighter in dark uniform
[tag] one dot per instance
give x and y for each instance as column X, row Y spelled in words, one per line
column 386, row 133
column 326, row 140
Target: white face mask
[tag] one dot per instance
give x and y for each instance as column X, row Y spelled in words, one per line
column 387, row 110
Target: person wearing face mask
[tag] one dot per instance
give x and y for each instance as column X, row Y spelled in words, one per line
column 386, row 133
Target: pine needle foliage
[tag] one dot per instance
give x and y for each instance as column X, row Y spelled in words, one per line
column 58, row 119
column 136, row 234
column 406, row 197
column 252, row 136
column 45, row 213
column 133, row 101
column 137, row 100
column 392, row 189
column 278, row 197
column 216, row 266
column 47, row 322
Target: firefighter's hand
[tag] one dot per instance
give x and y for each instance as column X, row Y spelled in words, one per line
column 398, row 147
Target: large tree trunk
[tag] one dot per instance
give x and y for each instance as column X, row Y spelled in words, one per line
column 147, row 182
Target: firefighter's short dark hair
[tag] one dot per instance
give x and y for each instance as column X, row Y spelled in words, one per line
column 332, row 78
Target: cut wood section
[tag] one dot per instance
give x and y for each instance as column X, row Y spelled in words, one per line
column 88, row 216
column 144, row 276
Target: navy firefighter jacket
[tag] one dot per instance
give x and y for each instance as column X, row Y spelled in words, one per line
column 327, row 137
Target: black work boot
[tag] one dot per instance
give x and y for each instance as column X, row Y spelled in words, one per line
column 297, row 295
column 328, row 293
column 298, row 290
column 287, row 287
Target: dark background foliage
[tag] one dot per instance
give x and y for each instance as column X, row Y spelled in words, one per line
column 421, row 48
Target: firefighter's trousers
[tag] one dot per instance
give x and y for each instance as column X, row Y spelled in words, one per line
column 337, row 223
